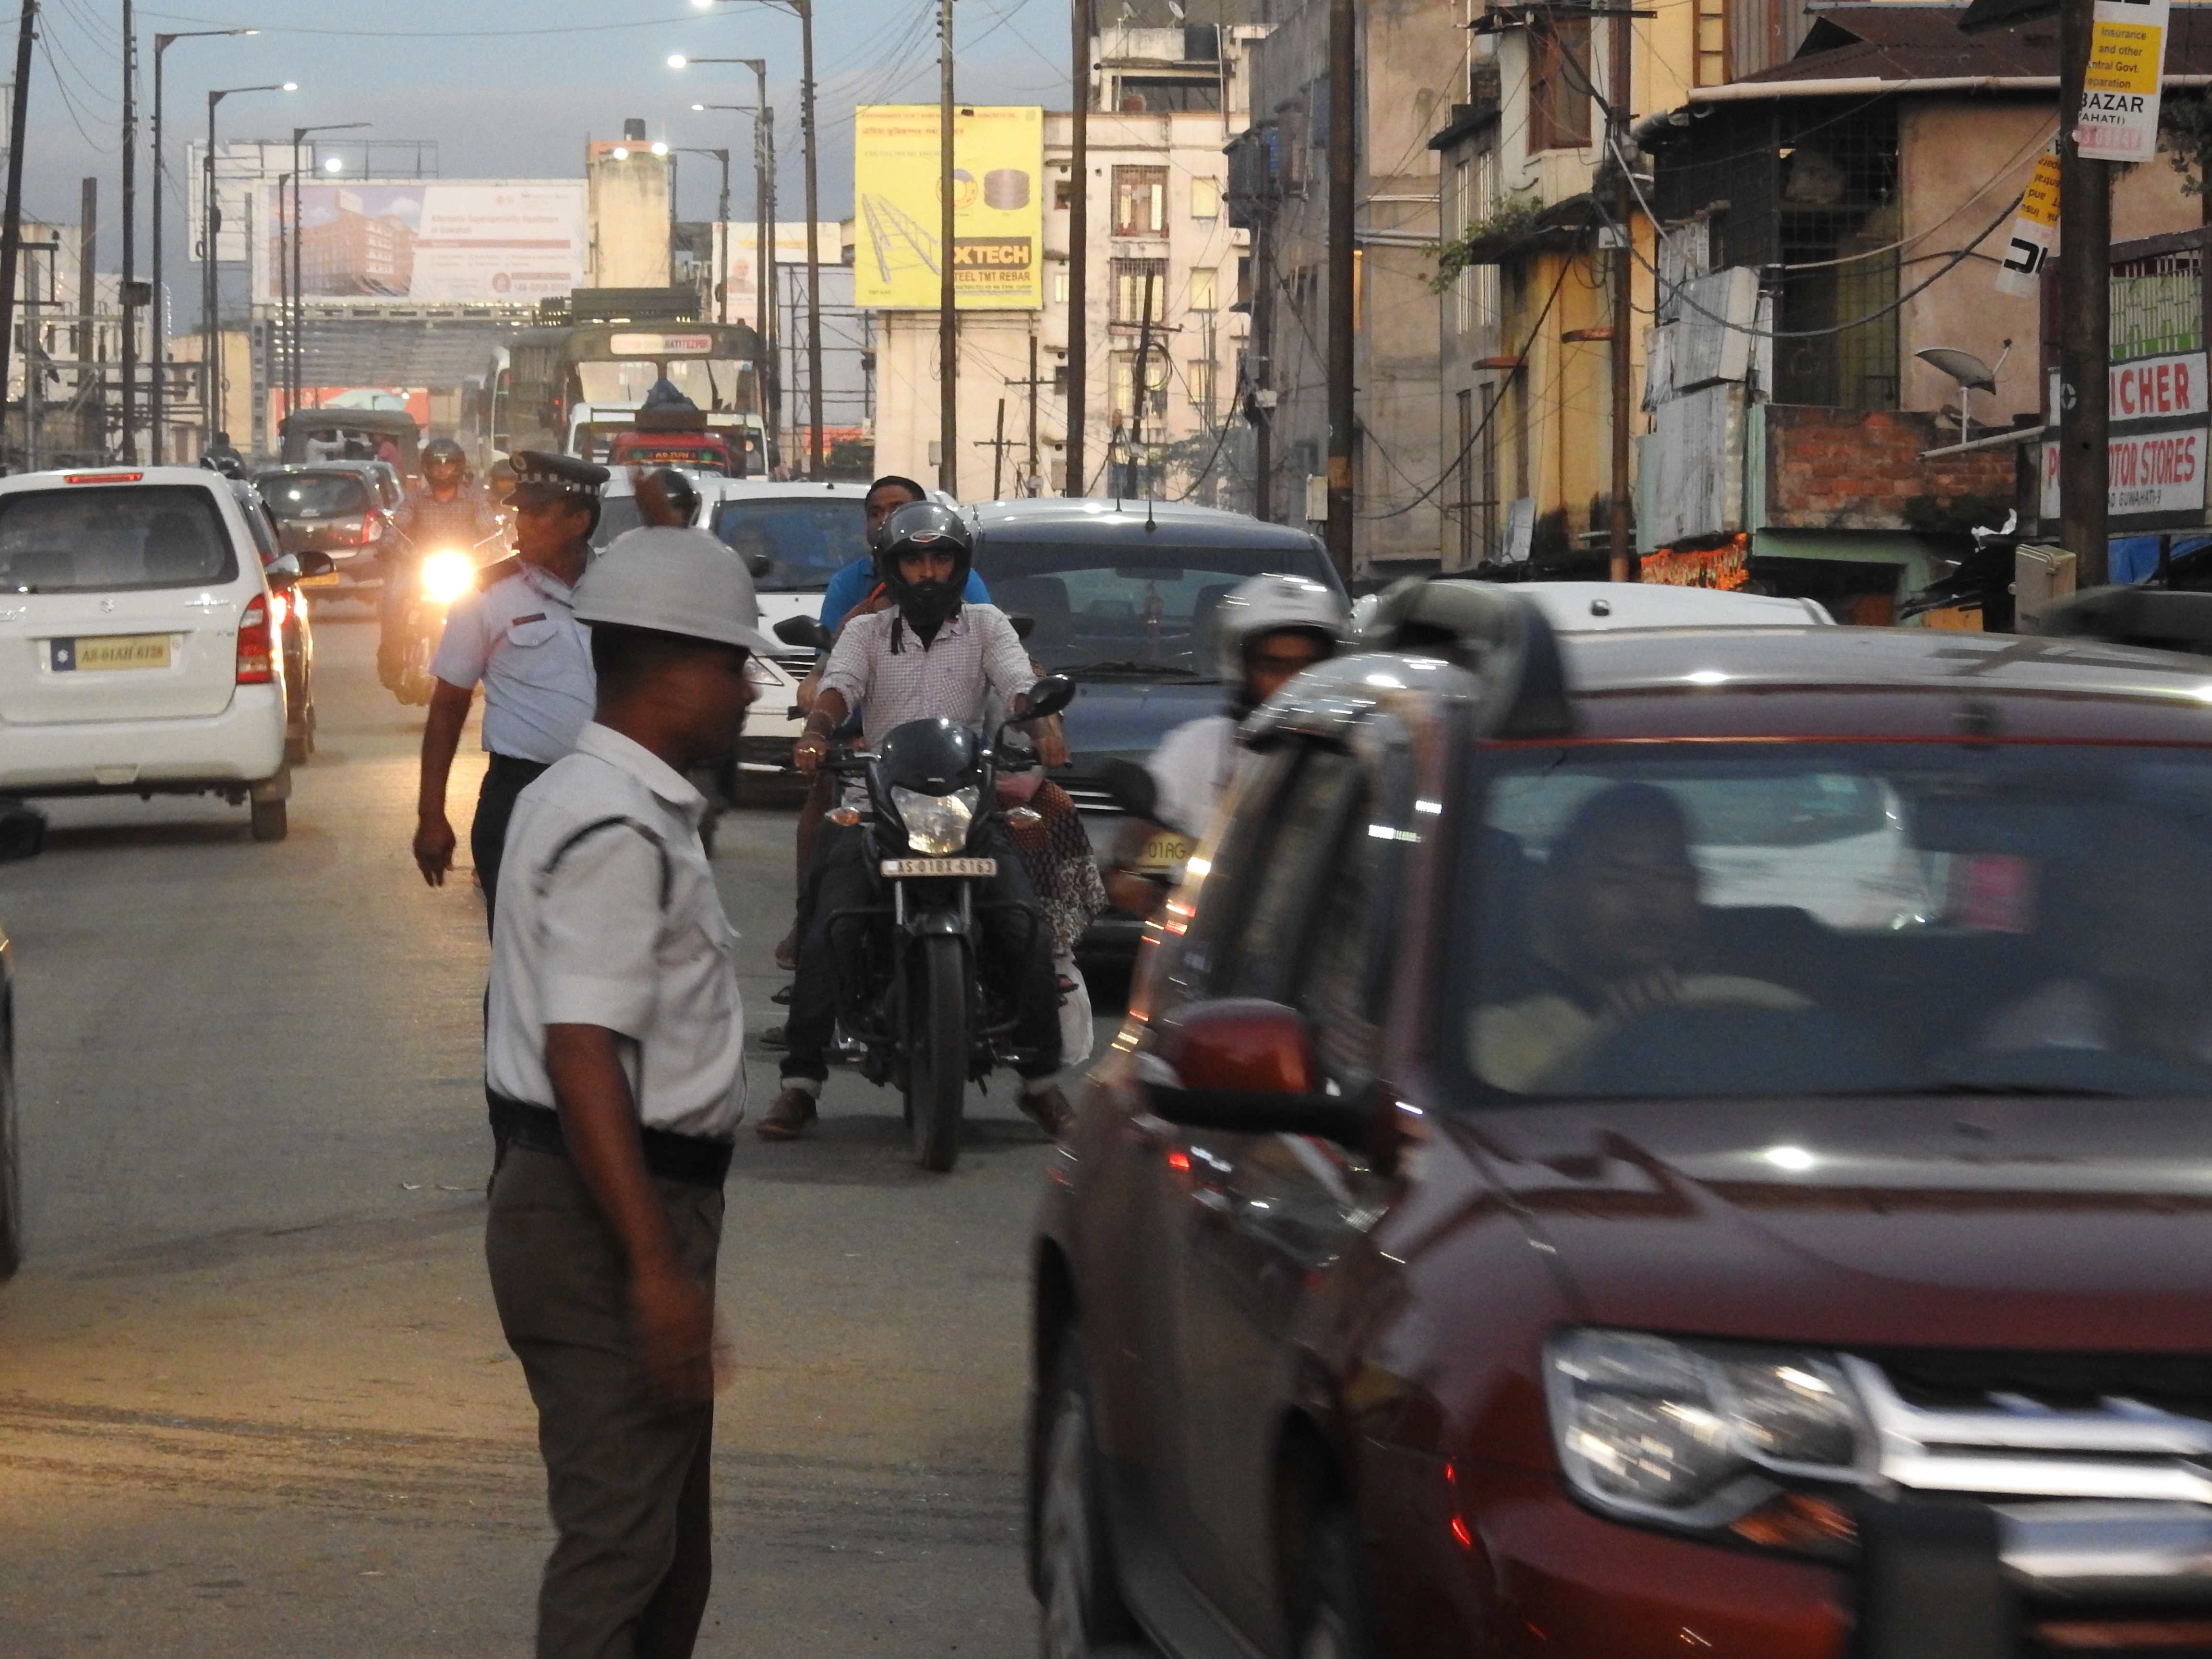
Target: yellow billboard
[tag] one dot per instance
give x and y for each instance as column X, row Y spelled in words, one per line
column 998, row 225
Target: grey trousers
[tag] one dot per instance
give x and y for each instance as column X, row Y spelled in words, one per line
column 626, row 1479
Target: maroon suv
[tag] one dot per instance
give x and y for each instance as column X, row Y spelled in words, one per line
column 1656, row 1144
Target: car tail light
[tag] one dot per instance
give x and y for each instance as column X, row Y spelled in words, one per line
column 257, row 643
column 101, row 477
column 371, row 528
column 279, row 609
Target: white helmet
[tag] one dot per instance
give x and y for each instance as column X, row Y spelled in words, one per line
column 673, row 582
column 1269, row 605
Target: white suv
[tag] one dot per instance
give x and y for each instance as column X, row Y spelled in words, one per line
column 138, row 650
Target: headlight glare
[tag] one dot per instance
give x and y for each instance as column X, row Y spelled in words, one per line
column 936, row 825
column 447, row 575
column 1693, row 1434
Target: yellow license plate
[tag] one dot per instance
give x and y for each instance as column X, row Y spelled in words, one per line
column 1164, row 853
column 108, row 651
column 916, row 869
column 328, row 578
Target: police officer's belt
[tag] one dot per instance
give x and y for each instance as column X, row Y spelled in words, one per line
column 691, row 1159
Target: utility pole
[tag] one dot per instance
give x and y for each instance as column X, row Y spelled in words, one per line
column 1619, row 44
column 91, row 406
column 1139, row 475
column 996, row 443
column 948, row 316
column 2085, row 243
column 806, row 9
column 1034, row 486
column 1343, row 65
column 11, row 217
column 1078, row 249
column 1261, row 357
column 130, row 285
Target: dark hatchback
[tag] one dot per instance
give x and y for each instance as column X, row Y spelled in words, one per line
column 1123, row 595
column 1656, row 1143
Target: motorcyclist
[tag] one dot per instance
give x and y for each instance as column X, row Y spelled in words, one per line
column 930, row 655
column 1268, row 630
column 448, row 511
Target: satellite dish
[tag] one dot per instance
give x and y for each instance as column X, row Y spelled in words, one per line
column 1964, row 367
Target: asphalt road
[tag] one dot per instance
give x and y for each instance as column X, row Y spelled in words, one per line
column 254, row 1398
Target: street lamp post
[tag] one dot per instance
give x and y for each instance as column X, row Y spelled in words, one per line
column 295, row 316
column 768, row 392
column 721, row 206
column 157, row 399
column 804, row 10
column 211, row 291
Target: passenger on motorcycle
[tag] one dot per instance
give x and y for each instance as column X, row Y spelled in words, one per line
column 930, row 656
column 1269, row 629
column 448, row 511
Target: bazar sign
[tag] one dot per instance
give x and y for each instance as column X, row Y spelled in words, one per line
column 2149, row 472
column 2119, row 119
column 2160, row 386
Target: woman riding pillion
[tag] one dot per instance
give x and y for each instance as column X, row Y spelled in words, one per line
column 929, row 656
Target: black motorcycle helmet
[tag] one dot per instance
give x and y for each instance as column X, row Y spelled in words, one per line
column 678, row 492
column 918, row 526
column 444, row 461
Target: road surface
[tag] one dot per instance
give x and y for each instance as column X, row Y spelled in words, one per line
column 254, row 1398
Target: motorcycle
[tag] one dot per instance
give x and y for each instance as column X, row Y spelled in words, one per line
column 429, row 586
column 912, row 984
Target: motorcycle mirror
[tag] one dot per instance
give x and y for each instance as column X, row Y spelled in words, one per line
column 803, row 631
column 281, row 572
column 1023, row 626
column 1048, row 697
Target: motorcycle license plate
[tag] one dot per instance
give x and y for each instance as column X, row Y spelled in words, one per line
column 1164, row 854
column 913, row 869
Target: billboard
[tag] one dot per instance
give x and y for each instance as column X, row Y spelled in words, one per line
column 424, row 241
column 997, row 227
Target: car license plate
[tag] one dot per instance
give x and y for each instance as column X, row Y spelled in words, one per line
column 107, row 651
column 328, row 578
column 1164, row 853
column 910, row 869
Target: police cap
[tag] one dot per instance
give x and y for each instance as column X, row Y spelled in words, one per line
column 541, row 479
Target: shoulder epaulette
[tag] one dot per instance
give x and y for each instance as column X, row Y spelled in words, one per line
column 492, row 574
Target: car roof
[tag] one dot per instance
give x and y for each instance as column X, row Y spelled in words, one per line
column 206, row 477
column 1130, row 521
column 725, row 488
column 1593, row 607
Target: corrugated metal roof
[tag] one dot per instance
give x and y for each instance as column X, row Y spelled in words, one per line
column 1894, row 41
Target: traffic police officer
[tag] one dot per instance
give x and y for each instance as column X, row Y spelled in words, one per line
column 615, row 1063
column 519, row 635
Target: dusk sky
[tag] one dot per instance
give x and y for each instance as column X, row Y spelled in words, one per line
column 512, row 89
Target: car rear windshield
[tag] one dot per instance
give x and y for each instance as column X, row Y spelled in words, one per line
column 616, row 515
column 1726, row 920
column 805, row 542
column 95, row 539
column 315, row 495
column 1152, row 619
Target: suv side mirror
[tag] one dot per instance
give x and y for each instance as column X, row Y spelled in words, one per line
column 22, row 830
column 1248, row 1067
column 803, row 631
column 1051, row 693
column 314, row 563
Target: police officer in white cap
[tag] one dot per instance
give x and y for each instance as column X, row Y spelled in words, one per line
column 614, row 1060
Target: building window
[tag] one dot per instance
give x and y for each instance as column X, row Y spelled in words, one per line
column 1463, row 509
column 1199, row 378
column 1560, row 84
column 1201, row 290
column 1140, row 289
column 1712, row 43
column 1063, row 193
column 1206, row 198
column 1141, row 200
column 1164, row 94
column 1123, row 388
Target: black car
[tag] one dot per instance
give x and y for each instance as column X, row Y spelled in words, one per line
column 1123, row 595
column 343, row 508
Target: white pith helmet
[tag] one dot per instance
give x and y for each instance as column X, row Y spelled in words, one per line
column 673, row 582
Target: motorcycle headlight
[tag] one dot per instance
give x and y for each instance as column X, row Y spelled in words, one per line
column 936, row 825
column 446, row 576
column 1696, row 1433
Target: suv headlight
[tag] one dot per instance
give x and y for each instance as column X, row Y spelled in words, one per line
column 1698, row 1435
column 936, row 824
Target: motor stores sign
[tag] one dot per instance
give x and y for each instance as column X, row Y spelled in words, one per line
column 2119, row 93
column 2151, row 472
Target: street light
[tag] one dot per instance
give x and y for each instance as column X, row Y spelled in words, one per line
column 804, row 10
column 158, row 398
column 295, row 349
column 211, row 295
column 765, row 328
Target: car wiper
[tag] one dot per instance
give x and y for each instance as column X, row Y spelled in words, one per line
column 1131, row 665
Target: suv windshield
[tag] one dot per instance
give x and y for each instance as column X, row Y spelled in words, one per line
column 805, row 540
column 1720, row 919
column 1155, row 618
column 91, row 539
column 315, row 494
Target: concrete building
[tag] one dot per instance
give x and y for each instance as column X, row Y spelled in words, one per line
column 626, row 207
column 1164, row 102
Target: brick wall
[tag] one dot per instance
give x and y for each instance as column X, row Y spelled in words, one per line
column 1857, row 469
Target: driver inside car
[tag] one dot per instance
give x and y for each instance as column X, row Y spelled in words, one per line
column 929, row 656
column 1618, row 935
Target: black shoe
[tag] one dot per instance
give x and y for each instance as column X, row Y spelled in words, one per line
column 792, row 1116
column 1048, row 1109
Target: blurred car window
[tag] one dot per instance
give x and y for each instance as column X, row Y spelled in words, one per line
column 806, row 541
column 315, row 495
column 96, row 540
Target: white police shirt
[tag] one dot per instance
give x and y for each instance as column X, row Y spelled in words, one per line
column 521, row 638
column 608, row 916
column 1190, row 769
